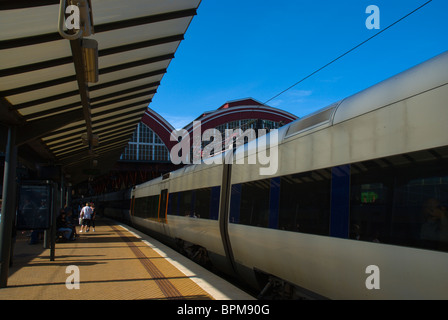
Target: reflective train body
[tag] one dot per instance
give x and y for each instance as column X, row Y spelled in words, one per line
column 356, row 210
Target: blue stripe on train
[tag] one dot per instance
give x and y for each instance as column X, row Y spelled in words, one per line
column 340, row 201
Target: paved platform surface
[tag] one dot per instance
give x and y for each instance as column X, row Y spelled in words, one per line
column 114, row 262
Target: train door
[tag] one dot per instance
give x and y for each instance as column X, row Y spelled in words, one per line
column 132, row 206
column 163, row 205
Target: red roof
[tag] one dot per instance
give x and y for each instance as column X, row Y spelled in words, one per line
column 243, row 102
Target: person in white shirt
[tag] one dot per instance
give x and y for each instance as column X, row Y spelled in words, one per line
column 86, row 215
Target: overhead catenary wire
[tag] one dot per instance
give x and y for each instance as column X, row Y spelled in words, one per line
column 347, row 52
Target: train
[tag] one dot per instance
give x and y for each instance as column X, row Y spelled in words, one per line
column 357, row 208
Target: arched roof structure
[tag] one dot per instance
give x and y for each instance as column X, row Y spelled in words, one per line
column 159, row 125
column 230, row 111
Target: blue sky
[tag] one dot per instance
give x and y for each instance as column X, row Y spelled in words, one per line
column 236, row 49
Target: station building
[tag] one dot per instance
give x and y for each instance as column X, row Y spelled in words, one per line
column 147, row 155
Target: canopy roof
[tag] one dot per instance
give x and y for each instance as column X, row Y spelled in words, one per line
column 43, row 89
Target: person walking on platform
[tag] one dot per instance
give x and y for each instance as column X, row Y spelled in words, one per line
column 86, row 215
column 92, row 218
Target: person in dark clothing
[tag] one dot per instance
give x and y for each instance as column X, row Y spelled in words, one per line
column 71, row 221
column 62, row 225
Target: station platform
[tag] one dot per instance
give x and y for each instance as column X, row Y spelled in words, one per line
column 115, row 262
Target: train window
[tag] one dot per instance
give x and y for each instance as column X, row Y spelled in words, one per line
column 305, row 202
column 402, row 200
column 214, row 205
column 152, row 207
column 186, row 203
column 235, row 201
column 173, row 204
column 139, row 207
column 420, row 216
column 202, row 203
column 254, row 205
column 147, row 207
column 369, row 208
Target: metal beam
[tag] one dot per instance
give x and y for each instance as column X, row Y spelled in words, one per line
column 37, row 86
column 131, row 78
column 42, row 38
column 122, row 117
column 63, row 133
column 119, row 112
column 137, row 117
column 136, row 63
column 145, row 20
column 121, row 93
column 81, row 155
column 22, row 4
column 35, row 66
column 54, row 82
column 48, row 112
column 39, row 128
column 140, row 45
column 73, row 144
column 101, row 53
column 45, row 100
column 124, row 99
column 78, row 60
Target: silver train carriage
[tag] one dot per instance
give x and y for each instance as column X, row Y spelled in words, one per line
column 356, row 208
